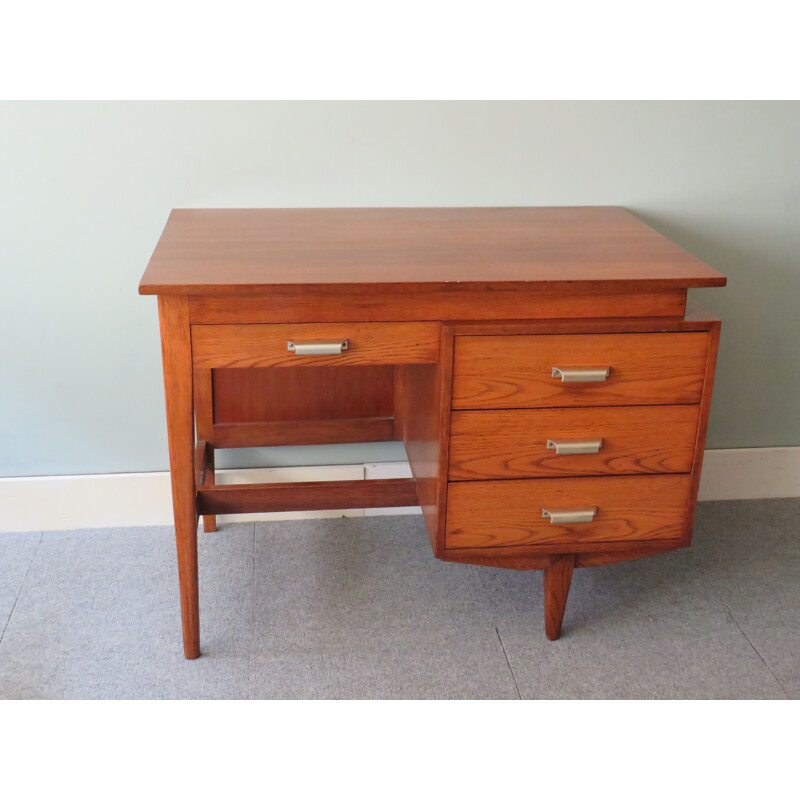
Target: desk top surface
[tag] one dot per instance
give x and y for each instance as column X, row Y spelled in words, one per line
column 238, row 251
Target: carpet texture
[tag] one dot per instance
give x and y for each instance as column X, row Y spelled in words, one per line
column 359, row 608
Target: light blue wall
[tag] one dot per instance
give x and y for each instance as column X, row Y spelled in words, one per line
column 85, row 189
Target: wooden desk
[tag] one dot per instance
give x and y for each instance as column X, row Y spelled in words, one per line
column 540, row 365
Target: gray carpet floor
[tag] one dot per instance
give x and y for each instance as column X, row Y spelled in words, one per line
column 359, row 608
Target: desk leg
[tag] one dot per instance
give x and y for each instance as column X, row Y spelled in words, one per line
column 557, row 578
column 176, row 350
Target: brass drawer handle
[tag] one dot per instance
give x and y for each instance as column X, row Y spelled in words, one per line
column 581, row 375
column 317, row 348
column 568, row 516
column 568, row 447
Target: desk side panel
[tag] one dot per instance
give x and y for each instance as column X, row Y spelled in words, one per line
column 702, row 427
column 426, row 392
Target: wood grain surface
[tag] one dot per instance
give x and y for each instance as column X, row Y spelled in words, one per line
column 266, row 345
column 516, row 371
column 586, row 555
column 426, row 428
column 513, row 443
column 229, row 251
column 457, row 301
column 204, row 425
column 176, row 350
column 303, row 432
column 509, row 513
column 307, row 393
column 696, row 318
column 557, row 579
column 702, row 427
column 306, row 496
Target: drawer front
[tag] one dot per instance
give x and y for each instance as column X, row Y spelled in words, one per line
column 542, row 443
column 268, row 345
column 510, row 513
column 518, row 371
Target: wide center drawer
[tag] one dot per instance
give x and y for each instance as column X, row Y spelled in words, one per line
column 561, row 442
column 520, row 512
column 608, row 369
column 312, row 344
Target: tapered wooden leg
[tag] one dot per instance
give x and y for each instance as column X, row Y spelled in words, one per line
column 557, row 578
column 176, row 350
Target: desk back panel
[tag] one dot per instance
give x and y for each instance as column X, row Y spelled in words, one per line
column 302, row 393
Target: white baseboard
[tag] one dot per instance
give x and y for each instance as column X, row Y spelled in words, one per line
column 750, row 473
column 137, row 499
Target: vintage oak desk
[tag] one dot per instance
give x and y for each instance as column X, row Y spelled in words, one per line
column 540, row 364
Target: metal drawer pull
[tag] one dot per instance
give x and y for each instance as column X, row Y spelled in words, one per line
column 567, row 516
column 581, row 375
column 317, row 348
column 574, row 446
